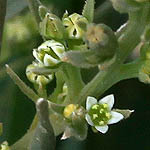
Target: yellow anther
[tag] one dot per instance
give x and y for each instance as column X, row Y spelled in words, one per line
column 95, row 106
column 101, row 111
column 69, row 110
column 105, row 105
column 95, row 116
column 107, row 115
column 101, row 123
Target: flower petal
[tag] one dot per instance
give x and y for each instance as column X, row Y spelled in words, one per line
column 90, row 101
column 88, row 119
column 102, row 129
column 116, row 117
column 108, row 100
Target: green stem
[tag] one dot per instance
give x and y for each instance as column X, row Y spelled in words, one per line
column 135, row 28
column 59, row 87
column 34, row 8
column 74, row 82
column 105, row 79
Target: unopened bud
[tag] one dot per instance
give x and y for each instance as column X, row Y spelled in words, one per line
column 35, row 78
column 75, row 25
column 49, row 53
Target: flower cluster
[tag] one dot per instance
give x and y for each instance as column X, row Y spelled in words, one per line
column 51, row 52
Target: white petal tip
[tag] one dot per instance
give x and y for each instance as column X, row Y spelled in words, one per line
column 108, row 100
column 102, row 129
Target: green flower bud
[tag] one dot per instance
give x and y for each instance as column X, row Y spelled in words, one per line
column 52, row 27
column 75, row 25
column 35, row 78
column 102, row 41
column 144, row 72
column 49, row 53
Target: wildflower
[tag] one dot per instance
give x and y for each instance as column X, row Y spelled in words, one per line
column 100, row 114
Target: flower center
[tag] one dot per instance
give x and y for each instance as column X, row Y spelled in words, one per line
column 100, row 114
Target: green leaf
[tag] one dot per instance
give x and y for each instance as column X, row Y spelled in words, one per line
column 23, row 143
column 88, row 10
column 23, row 87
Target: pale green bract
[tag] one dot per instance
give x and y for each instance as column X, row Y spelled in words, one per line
column 100, row 115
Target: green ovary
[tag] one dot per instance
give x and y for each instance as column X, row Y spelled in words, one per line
column 100, row 114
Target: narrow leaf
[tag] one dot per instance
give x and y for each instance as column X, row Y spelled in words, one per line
column 88, row 10
column 23, row 87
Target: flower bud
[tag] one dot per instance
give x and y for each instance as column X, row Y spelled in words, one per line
column 52, row 27
column 35, row 78
column 49, row 53
column 75, row 115
column 101, row 40
column 75, row 25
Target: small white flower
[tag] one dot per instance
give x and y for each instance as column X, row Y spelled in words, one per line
column 100, row 113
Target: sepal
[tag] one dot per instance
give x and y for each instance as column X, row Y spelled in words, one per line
column 88, row 10
column 51, row 27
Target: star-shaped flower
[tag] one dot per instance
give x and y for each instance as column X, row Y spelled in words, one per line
column 100, row 114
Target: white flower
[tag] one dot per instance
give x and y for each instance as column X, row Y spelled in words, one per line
column 100, row 113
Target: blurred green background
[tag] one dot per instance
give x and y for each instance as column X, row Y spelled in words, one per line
column 17, row 111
